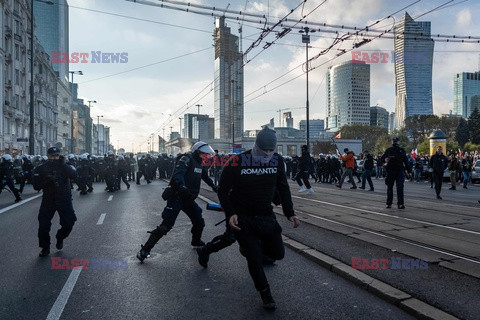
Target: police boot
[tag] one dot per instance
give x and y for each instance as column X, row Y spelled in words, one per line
column 45, row 252
column 155, row 236
column 203, row 256
column 267, row 299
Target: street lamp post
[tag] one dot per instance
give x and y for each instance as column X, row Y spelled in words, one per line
column 31, row 134
column 72, row 149
column 232, row 101
column 98, row 133
column 306, row 40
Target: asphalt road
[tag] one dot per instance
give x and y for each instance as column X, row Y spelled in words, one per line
column 170, row 284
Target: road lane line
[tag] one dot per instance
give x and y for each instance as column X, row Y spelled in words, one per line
column 388, row 215
column 102, row 217
column 62, row 299
column 110, row 198
column 19, row 203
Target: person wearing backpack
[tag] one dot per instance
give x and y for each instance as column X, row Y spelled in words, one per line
column 180, row 195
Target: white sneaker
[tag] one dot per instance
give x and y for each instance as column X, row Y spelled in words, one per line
column 310, row 191
column 302, row 189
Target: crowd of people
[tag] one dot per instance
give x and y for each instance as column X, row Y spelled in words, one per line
column 247, row 185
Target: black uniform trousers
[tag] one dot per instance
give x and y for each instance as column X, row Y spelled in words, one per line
column 303, row 176
column 393, row 177
column 259, row 236
column 438, row 180
column 45, row 216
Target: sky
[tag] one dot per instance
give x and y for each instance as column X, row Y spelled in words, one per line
column 170, row 59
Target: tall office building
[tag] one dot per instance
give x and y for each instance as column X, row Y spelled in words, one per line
column 287, row 119
column 348, row 94
column 228, row 101
column 466, row 86
column 317, row 127
column 52, row 31
column 391, row 122
column 379, row 117
column 413, row 69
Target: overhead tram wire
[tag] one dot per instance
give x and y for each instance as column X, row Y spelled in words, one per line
column 315, row 57
column 170, row 119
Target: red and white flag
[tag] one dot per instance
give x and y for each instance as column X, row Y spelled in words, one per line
column 339, row 135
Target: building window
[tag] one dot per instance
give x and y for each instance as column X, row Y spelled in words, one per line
column 291, row 150
column 17, row 52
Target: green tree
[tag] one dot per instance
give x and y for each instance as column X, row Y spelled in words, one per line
column 323, row 147
column 462, row 134
column 448, row 125
column 385, row 142
column 418, row 127
column 474, row 126
column 452, row 146
column 368, row 134
column 424, row 147
column 471, row 147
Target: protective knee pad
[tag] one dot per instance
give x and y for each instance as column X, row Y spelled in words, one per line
column 160, row 231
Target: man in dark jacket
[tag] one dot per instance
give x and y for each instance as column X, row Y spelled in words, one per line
column 396, row 160
column 53, row 177
column 367, row 170
column 438, row 162
column 246, row 191
column 182, row 192
column 304, row 169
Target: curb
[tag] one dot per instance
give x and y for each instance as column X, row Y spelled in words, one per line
column 403, row 300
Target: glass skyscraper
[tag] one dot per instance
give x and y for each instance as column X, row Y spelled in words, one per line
column 413, row 69
column 466, row 86
column 348, row 94
column 52, row 31
column 228, row 103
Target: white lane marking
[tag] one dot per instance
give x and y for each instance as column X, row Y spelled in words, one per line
column 102, row 217
column 19, row 203
column 110, row 198
column 62, row 299
column 388, row 215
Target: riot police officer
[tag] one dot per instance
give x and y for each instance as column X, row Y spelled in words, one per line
column 6, row 176
column 54, row 178
column 396, row 161
column 180, row 196
column 246, row 192
column 85, row 173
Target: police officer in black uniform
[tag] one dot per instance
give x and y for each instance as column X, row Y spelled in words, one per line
column 438, row 162
column 396, row 160
column 54, row 178
column 85, row 172
column 180, row 196
column 6, row 176
column 246, row 192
